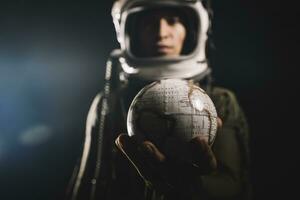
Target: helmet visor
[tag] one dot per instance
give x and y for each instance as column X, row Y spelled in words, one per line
column 164, row 31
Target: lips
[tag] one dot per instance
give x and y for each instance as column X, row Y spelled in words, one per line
column 164, row 49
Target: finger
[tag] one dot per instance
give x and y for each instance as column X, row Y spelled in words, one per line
column 203, row 154
column 120, row 141
column 126, row 144
column 212, row 159
column 219, row 122
column 150, row 149
column 200, row 143
column 129, row 148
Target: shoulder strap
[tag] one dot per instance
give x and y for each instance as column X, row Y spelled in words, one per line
column 102, row 137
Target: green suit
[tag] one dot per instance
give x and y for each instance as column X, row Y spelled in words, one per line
column 119, row 179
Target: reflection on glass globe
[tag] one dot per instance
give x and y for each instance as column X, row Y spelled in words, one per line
column 170, row 113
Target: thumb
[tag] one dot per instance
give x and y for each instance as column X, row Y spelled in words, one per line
column 152, row 151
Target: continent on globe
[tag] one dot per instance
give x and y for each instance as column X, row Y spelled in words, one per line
column 170, row 113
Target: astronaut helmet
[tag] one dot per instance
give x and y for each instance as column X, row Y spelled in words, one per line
column 131, row 19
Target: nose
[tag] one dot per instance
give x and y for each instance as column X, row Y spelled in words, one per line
column 163, row 28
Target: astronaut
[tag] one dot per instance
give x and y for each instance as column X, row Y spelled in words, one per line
column 160, row 39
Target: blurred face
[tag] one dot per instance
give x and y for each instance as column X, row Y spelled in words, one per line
column 161, row 33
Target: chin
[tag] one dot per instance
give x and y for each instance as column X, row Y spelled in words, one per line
column 166, row 54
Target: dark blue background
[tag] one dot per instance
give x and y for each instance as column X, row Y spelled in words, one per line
column 52, row 58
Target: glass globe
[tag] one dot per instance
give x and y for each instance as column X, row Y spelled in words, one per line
column 170, row 113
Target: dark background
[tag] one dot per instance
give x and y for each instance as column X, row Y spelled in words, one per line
column 52, row 58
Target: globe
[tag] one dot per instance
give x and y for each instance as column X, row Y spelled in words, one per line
column 170, row 113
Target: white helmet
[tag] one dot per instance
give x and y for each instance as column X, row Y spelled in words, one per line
column 186, row 66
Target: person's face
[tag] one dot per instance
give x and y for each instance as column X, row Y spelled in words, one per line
column 161, row 33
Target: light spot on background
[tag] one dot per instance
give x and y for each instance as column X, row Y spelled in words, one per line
column 35, row 135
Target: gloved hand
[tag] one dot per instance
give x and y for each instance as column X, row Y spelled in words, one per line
column 167, row 172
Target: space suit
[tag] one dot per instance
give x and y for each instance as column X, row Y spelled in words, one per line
column 102, row 171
